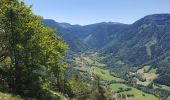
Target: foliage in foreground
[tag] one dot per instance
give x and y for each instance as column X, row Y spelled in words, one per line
column 30, row 54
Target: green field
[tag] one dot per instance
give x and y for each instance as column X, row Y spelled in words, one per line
column 153, row 70
column 138, row 95
column 162, row 87
column 105, row 75
column 97, row 64
column 146, row 68
column 115, row 87
column 169, row 98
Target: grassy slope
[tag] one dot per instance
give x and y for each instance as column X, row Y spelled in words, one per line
column 162, row 87
column 149, row 76
column 137, row 93
column 105, row 75
column 115, row 87
column 169, row 98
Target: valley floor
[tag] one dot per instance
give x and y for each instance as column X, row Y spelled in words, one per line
column 90, row 63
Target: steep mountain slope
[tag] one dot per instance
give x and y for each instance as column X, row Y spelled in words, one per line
column 75, row 44
column 146, row 42
column 94, row 36
column 102, row 33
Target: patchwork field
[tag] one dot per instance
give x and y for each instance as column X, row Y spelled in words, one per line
column 92, row 65
column 138, row 95
column 105, row 74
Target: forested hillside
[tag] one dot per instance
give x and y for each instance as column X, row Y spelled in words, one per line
column 62, row 29
column 90, row 35
column 146, row 42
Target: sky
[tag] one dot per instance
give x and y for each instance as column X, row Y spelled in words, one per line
column 85, row 12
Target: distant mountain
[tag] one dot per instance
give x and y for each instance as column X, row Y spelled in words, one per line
column 142, row 41
column 91, row 35
column 98, row 35
column 158, row 19
column 75, row 44
column 145, row 42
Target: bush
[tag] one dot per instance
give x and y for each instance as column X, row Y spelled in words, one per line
column 127, row 89
column 130, row 95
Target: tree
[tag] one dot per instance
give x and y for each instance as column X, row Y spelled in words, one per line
column 34, row 53
column 79, row 88
column 98, row 90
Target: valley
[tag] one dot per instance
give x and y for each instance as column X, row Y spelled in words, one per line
column 89, row 63
column 48, row 59
column 135, row 55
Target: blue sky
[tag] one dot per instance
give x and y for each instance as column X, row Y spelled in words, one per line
column 93, row 11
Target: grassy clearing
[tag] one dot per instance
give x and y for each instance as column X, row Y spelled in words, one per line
column 97, row 64
column 105, row 75
column 116, row 86
column 153, row 70
column 161, row 87
column 6, row 96
column 165, row 87
column 142, row 70
column 168, row 98
column 149, row 76
column 88, row 61
column 138, row 95
column 151, row 42
column 82, row 63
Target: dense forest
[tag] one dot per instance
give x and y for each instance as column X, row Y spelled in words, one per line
column 41, row 59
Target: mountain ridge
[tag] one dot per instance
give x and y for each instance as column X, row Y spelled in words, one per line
column 145, row 42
